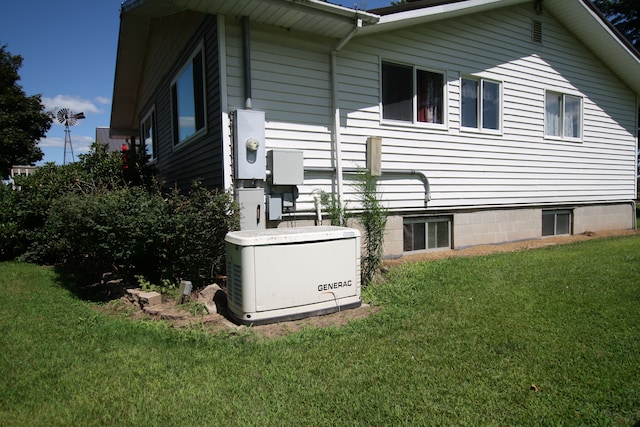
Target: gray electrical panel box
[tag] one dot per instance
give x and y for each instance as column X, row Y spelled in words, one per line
column 287, row 167
column 251, row 201
column 249, row 142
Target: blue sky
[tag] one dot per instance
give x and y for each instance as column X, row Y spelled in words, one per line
column 69, row 51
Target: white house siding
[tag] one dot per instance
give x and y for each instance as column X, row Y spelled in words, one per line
column 493, row 186
column 291, row 84
column 519, row 167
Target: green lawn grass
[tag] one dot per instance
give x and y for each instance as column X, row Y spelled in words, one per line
column 457, row 342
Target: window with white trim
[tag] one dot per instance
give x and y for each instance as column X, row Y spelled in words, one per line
column 556, row 222
column 426, row 233
column 188, row 99
column 412, row 94
column 147, row 132
column 562, row 115
column 481, row 104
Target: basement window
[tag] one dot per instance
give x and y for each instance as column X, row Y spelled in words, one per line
column 426, row 233
column 556, row 222
column 188, row 99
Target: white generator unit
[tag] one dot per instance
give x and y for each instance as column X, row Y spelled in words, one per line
column 287, row 274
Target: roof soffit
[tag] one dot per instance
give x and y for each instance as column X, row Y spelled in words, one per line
column 311, row 16
column 600, row 37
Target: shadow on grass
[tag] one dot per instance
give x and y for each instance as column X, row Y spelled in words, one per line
column 88, row 285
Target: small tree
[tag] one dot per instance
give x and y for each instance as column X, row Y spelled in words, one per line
column 374, row 220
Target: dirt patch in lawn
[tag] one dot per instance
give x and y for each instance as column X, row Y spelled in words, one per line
column 218, row 320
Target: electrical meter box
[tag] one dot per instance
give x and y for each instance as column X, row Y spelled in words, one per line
column 286, row 274
column 249, row 142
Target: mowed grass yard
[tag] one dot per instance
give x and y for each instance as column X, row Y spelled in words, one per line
column 541, row 337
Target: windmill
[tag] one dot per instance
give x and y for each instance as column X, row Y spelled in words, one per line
column 68, row 118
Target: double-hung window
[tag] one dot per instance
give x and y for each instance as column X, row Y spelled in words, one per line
column 481, row 104
column 147, row 130
column 562, row 116
column 188, row 99
column 412, row 95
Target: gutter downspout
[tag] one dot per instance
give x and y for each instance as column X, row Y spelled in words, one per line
column 337, row 137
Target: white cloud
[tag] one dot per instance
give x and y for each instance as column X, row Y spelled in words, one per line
column 79, row 143
column 73, row 103
column 102, row 100
column 51, row 141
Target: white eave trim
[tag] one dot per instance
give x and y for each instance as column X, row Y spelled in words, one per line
column 434, row 13
column 603, row 40
column 367, row 17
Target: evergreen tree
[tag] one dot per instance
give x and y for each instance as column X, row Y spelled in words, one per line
column 23, row 120
column 624, row 15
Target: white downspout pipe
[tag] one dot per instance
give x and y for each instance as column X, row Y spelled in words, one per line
column 337, row 137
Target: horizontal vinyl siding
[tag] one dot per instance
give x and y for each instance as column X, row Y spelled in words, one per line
column 201, row 158
column 520, row 166
column 290, row 82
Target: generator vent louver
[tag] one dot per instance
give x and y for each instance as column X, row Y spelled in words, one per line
column 234, row 283
column 536, row 31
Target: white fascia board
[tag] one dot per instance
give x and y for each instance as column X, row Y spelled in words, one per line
column 602, row 39
column 367, row 17
column 434, row 13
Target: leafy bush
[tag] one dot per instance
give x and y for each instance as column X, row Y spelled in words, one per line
column 199, row 223
column 9, row 227
column 100, row 216
column 138, row 233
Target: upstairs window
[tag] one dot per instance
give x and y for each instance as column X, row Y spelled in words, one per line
column 412, row 95
column 147, row 130
column 188, row 100
column 563, row 116
column 481, row 104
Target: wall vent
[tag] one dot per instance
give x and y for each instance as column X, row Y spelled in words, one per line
column 536, row 31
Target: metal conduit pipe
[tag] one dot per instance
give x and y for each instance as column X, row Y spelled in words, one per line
column 246, row 47
column 386, row 174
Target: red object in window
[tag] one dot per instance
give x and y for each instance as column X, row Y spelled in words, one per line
column 125, row 156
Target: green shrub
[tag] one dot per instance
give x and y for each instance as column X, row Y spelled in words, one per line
column 25, row 212
column 137, row 233
column 98, row 216
column 9, row 227
column 199, row 223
